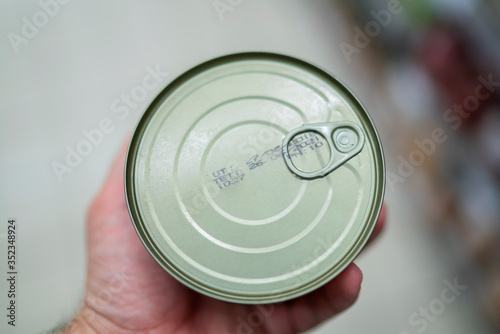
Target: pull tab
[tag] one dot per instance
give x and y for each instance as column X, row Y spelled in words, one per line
column 345, row 140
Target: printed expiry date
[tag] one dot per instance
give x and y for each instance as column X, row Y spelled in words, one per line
column 300, row 145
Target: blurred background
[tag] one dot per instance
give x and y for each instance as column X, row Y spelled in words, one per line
column 427, row 72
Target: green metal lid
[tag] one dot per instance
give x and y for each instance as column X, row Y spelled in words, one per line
column 255, row 178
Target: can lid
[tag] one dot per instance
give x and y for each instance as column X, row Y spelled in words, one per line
column 255, row 178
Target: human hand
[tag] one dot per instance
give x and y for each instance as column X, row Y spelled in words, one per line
column 127, row 291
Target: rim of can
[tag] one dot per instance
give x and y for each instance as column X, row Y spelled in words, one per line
column 147, row 240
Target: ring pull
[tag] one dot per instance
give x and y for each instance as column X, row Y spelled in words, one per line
column 345, row 140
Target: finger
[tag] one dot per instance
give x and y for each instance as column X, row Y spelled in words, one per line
column 111, row 196
column 329, row 300
column 334, row 297
column 114, row 181
column 379, row 225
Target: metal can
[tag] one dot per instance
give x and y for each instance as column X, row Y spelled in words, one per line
column 255, row 178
